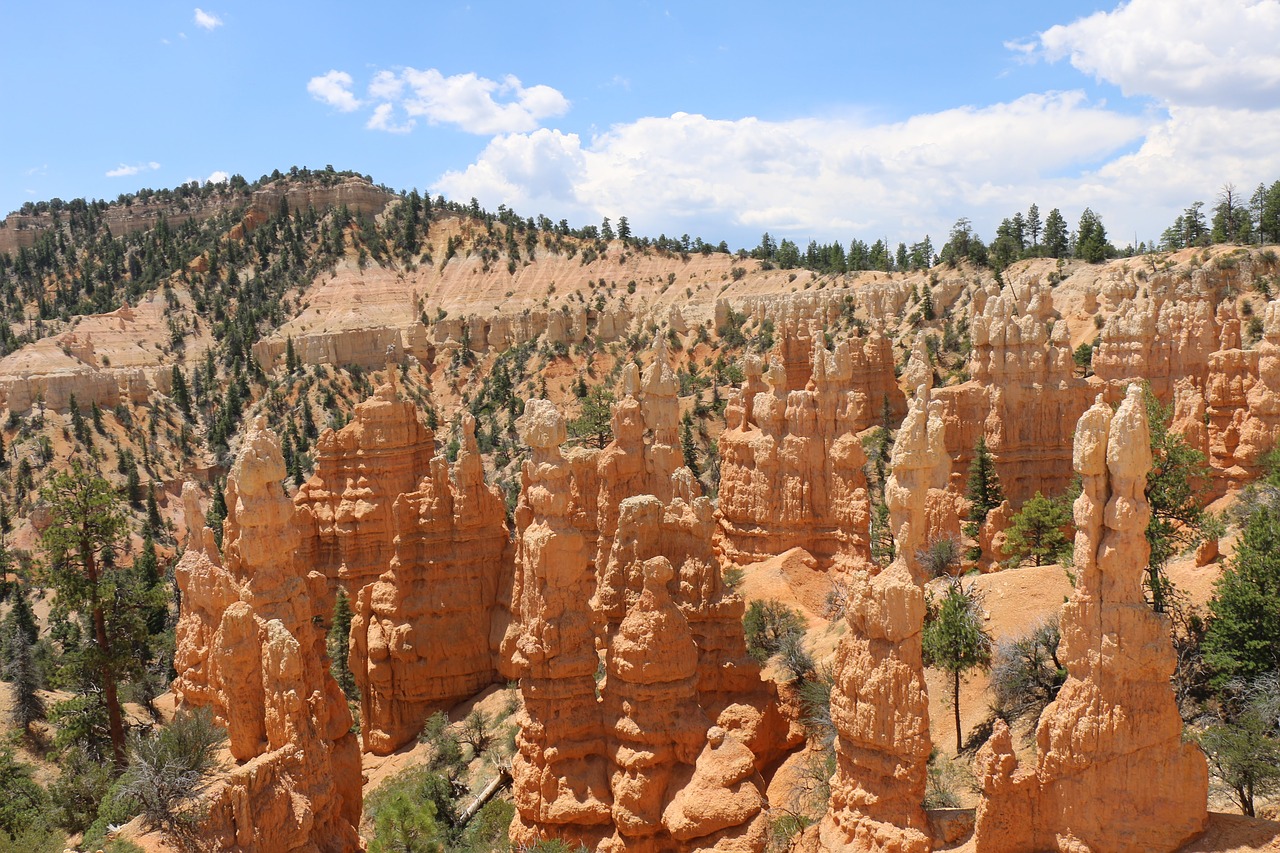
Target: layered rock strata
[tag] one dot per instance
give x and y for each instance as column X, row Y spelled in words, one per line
column 607, row 764
column 791, row 462
column 560, row 770
column 879, row 704
column 250, row 647
column 1113, row 773
column 423, row 554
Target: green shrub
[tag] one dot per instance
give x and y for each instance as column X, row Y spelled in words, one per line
column 766, row 624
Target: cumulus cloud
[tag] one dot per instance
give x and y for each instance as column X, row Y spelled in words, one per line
column 218, row 177
column 815, row 176
column 383, row 119
column 468, row 102
column 334, row 88
column 1179, row 51
column 125, row 171
column 207, row 20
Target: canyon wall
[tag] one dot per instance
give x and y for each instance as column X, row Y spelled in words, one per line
column 879, row 703
column 1112, row 772
column 423, row 554
column 791, row 460
column 250, row 648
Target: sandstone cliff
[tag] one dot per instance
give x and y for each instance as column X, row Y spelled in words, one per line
column 791, row 460
column 421, row 551
column 1113, row 773
column 879, row 704
column 249, row 648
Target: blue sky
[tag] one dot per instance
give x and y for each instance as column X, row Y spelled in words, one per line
column 722, row 120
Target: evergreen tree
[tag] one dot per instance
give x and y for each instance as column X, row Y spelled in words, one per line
column 217, row 513
column 339, row 646
column 955, row 641
column 155, row 523
column 86, row 525
column 687, row 445
column 1036, row 531
column 1091, row 238
column 594, row 425
column 1033, row 224
column 1176, row 489
column 1055, row 235
column 984, row 492
column 1243, row 750
column 18, row 636
column 1242, row 640
column 181, row 396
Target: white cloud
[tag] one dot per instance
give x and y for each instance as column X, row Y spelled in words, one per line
column 1184, row 52
column 467, row 101
column 207, row 20
column 825, row 178
column 385, row 86
column 217, row 177
column 334, row 89
column 382, row 119
column 125, row 171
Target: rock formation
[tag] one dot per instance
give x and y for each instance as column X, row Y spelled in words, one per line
column 656, row 737
column 1156, row 342
column 609, row 764
column 1113, row 773
column 791, row 469
column 561, row 786
column 249, row 647
column 422, row 555
column 1023, row 396
column 879, row 704
column 1243, row 397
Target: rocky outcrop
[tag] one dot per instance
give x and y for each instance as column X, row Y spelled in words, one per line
column 658, row 735
column 422, row 634
column 345, row 508
column 250, row 648
column 610, row 765
column 561, row 785
column 1023, row 395
column 791, row 470
column 1159, row 342
column 879, row 704
column 422, row 553
column 1113, row 773
column 1243, row 399
column 371, row 347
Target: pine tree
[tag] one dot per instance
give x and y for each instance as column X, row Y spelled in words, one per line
column 133, row 487
column 1033, row 225
column 86, row 523
column 339, row 645
column 955, row 640
column 154, row 522
column 984, row 492
column 688, row 446
column 217, row 513
column 181, row 396
column 1243, row 636
column 1055, row 234
column 1036, row 531
column 18, row 636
